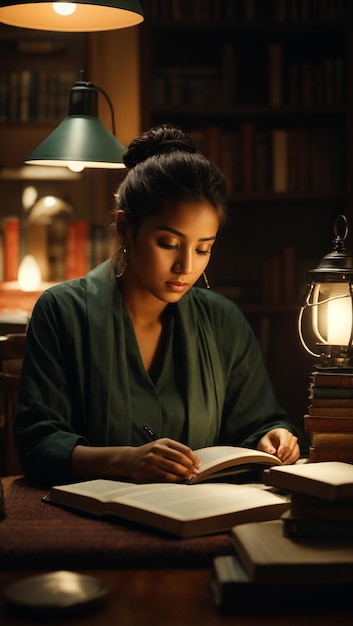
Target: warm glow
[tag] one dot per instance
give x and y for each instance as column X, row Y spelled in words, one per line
column 339, row 321
column 86, row 18
column 76, row 166
column 29, row 196
column 49, row 201
column 29, row 275
column 64, row 8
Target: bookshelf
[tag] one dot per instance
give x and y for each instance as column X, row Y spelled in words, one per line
column 264, row 88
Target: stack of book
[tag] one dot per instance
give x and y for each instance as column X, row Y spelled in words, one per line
column 330, row 416
column 321, row 499
column 306, row 555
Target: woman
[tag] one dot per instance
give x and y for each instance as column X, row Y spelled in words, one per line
column 134, row 342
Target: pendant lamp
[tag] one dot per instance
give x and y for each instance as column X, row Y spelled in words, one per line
column 81, row 16
column 81, row 140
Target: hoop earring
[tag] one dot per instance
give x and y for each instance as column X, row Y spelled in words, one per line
column 208, row 286
column 122, row 262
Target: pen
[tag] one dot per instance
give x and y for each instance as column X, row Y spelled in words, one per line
column 150, row 432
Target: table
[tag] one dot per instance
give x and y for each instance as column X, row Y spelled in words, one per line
column 152, row 578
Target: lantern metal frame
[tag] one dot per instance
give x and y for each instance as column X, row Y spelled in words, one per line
column 335, row 267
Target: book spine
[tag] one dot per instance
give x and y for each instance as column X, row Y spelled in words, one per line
column 279, row 161
column 317, row 509
column 330, row 392
column 332, row 380
column 332, row 402
column 11, row 248
column 330, row 411
column 275, row 74
column 77, row 249
column 247, row 132
column 332, row 440
column 344, row 455
column 312, row 529
column 314, row 424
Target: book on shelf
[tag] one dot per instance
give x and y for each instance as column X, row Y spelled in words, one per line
column 329, row 480
column 306, row 528
column 183, row 510
column 262, row 161
column 267, row 555
column 11, row 244
column 332, row 440
column 246, row 133
column 326, row 424
column 330, row 411
column 332, row 379
column 311, row 507
column 77, row 245
column 275, row 74
column 279, row 160
column 330, row 454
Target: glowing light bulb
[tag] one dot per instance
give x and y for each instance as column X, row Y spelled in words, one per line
column 29, row 275
column 64, row 8
column 76, row 166
column 49, row 201
column 339, row 321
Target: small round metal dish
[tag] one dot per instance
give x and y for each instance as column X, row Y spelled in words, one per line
column 56, row 592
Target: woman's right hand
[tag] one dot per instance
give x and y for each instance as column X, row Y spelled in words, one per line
column 163, row 460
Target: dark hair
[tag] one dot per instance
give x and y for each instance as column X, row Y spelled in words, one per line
column 164, row 170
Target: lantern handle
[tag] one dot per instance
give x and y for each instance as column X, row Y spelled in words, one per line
column 340, row 237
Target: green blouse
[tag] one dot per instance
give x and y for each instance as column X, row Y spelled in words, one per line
column 83, row 380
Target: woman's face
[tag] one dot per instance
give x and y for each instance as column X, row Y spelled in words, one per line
column 171, row 250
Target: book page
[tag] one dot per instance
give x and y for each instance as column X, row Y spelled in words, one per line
column 216, row 458
column 170, row 500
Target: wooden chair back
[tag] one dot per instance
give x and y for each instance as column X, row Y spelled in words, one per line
column 12, row 349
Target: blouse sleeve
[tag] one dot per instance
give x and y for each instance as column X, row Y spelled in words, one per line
column 51, row 394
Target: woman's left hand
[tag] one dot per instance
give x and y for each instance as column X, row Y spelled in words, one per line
column 282, row 443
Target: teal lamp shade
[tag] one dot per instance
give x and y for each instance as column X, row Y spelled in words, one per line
column 81, row 140
column 81, row 16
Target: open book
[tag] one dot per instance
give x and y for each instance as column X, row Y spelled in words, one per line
column 181, row 509
column 218, row 461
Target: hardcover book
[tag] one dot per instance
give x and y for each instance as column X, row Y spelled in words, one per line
column 307, row 528
column 269, row 556
column 330, row 392
column 235, row 592
column 332, row 440
column 323, row 424
column 330, row 454
column 331, row 411
column 329, row 480
column 310, row 507
column 332, row 379
column 180, row 509
column 331, row 402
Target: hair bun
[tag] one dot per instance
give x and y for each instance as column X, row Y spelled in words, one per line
column 158, row 140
